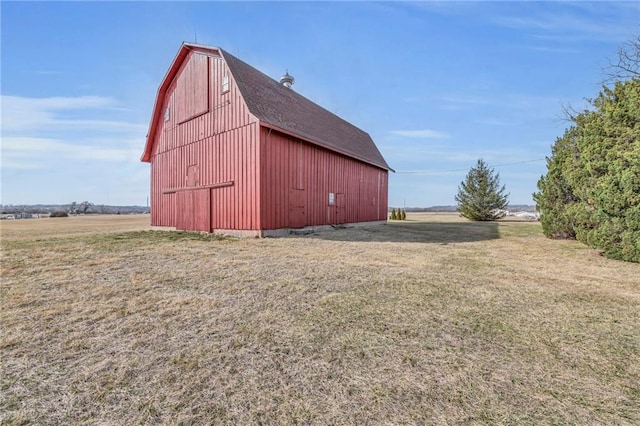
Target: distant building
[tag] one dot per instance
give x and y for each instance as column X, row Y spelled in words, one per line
column 234, row 151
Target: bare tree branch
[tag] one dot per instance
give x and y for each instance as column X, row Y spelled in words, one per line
column 627, row 64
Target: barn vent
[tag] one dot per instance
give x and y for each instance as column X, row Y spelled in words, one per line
column 286, row 80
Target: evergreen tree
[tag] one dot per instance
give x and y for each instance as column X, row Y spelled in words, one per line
column 480, row 196
column 592, row 188
column 393, row 214
column 556, row 195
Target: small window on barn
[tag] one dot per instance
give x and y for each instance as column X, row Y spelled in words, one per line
column 225, row 83
column 167, row 114
column 332, row 199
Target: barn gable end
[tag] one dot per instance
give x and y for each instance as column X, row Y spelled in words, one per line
column 202, row 139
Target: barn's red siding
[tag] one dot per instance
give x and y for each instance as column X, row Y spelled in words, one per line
column 216, row 165
column 297, row 178
column 206, row 154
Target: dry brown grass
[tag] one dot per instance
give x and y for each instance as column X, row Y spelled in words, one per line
column 430, row 321
column 71, row 226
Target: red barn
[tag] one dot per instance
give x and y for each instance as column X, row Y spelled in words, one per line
column 234, row 151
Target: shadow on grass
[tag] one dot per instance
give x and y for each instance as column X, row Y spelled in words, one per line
column 416, row 232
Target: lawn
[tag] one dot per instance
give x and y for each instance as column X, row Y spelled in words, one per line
column 435, row 320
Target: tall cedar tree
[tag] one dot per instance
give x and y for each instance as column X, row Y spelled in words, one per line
column 480, row 196
column 555, row 196
column 592, row 188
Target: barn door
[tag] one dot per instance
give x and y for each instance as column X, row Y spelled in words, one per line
column 341, row 216
column 184, row 209
column 193, row 176
column 297, row 214
column 194, row 210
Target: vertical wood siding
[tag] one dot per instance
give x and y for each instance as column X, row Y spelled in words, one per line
column 192, row 89
column 216, row 136
column 297, row 177
column 214, row 167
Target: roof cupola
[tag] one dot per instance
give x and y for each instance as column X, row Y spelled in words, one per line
column 287, row 80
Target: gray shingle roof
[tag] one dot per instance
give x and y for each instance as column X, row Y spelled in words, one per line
column 284, row 108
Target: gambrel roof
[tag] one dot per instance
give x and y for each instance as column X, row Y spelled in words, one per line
column 280, row 108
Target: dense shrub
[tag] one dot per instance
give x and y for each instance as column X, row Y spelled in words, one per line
column 592, row 188
column 59, row 214
column 556, row 196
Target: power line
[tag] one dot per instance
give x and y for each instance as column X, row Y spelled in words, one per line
column 465, row 170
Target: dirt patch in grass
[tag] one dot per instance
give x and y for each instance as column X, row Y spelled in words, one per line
column 433, row 320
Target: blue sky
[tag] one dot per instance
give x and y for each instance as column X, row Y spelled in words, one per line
column 436, row 85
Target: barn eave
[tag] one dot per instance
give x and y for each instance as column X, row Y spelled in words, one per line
column 323, row 145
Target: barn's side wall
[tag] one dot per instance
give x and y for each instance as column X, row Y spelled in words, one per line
column 204, row 163
column 297, row 178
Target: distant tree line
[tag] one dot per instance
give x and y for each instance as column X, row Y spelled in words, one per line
column 71, row 208
column 591, row 191
column 80, row 208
